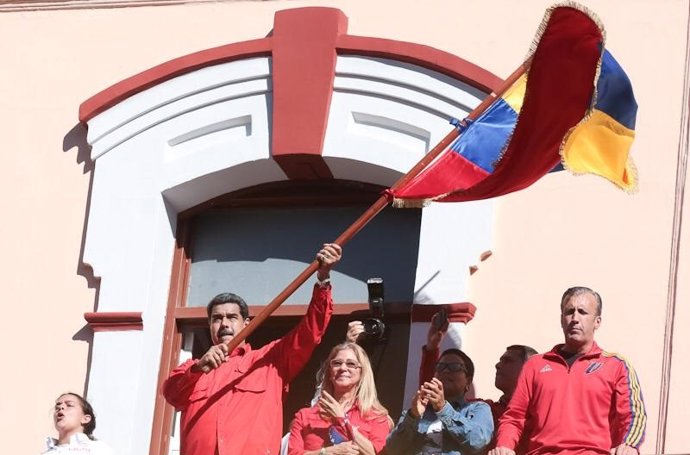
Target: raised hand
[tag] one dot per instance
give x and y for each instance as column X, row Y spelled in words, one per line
column 354, row 330
column 328, row 256
column 437, row 329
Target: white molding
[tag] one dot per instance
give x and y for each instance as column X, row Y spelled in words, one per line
column 206, row 133
column 389, row 114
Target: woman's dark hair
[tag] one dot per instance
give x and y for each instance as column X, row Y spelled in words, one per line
column 87, row 409
column 469, row 365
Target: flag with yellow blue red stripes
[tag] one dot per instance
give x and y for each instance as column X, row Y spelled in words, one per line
column 574, row 107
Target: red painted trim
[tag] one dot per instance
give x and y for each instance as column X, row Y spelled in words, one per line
column 114, row 321
column 172, row 340
column 171, row 69
column 195, row 314
column 417, row 54
column 421, row 55
column 304, row 48
column 457, row 312
column 304, row 60
column 184, row 315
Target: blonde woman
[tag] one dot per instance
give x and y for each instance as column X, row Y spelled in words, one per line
column 348, row 418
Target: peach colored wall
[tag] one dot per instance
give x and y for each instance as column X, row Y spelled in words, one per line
column 568, row 231
column 561, row 232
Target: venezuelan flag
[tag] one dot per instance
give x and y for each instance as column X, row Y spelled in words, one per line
column 601, row 143
column 575, row 107
column 492, row 129
column 474, row 154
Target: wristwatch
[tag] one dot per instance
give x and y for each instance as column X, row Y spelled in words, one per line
column 323, row 283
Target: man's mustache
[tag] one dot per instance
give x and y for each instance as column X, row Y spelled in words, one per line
column 225, row 332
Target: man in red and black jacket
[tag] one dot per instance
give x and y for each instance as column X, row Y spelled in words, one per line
column 576, row 398
column 231, row 402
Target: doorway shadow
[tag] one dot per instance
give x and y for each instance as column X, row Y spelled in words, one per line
column 77, row 138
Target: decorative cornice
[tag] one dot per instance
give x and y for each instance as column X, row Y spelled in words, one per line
column 10, row 6
column 114, row 321
column 423, row 56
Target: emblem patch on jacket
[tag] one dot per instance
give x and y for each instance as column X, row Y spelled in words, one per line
column 545, row 369
column 594, row 366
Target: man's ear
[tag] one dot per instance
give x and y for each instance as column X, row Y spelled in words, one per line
column 86, row 419
column 246, row 322
column 597, row 322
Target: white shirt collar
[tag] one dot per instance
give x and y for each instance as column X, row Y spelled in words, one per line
column 75, row 439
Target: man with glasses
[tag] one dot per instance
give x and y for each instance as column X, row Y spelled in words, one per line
column 440, row 420
column 231, row 402
column 508, row 369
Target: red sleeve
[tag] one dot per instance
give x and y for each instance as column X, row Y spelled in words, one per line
column 512, row 422
column 427, row 367
column 180, row 384
column 294, row 349
column 630, row 419
column 296, row 442
column 379, row 427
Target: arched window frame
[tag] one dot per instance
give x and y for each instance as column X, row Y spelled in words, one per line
column 294, row 136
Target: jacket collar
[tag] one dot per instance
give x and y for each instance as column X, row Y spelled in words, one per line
column 595, row 351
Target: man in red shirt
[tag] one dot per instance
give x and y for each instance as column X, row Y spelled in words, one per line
column 508, row 368
column 576, row 399
column 231, row 402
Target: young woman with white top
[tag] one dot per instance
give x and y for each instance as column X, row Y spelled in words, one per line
column 75, row 422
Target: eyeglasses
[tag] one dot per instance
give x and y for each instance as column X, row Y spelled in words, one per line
column 349, row 364
column 453, row 367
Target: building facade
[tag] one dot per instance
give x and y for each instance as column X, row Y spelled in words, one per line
column 158, row 153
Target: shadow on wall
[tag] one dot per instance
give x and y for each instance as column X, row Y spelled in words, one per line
column 76, row 138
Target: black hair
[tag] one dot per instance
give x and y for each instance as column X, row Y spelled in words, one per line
column 525, row 351
column 228, row 297
column 469, row 365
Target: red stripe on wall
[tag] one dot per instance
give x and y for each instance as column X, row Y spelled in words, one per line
column 303, row 71
column 114, row 321
column 168, row 70
column 457, row 312
column 304, row 46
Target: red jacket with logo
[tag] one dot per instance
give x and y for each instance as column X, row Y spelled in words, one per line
column 591, row 407
column 237, row 408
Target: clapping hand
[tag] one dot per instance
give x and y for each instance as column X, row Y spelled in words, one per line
column 433, row 390
column 331, row 406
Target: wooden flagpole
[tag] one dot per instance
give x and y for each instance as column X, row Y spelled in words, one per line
column 372, row 211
